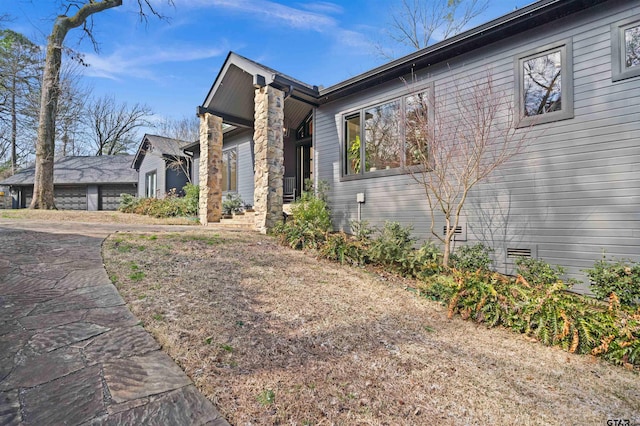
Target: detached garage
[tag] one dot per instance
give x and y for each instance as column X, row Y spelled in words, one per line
column 80, row 183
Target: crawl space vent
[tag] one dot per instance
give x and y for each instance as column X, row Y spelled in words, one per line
column 460, row 233
column 518, row 252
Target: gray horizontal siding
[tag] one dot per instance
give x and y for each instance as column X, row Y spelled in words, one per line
column 576, row 190
column 152, row 162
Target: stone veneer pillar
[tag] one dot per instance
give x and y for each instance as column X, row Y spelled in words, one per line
column 210, row 203
column 269, row 157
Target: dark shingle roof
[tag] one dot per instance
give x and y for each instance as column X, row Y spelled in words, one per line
column 83, row 170
column 164, row 146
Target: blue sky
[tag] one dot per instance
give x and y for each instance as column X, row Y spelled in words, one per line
column 170, row 66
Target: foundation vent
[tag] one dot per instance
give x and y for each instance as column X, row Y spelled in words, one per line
column 518, row 252
column 460, row 233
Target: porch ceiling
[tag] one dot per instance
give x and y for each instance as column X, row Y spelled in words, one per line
column 232, row 94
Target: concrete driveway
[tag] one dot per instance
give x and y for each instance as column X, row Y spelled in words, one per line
column 71, row 352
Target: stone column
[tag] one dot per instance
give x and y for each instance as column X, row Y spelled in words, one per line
column 269, row 157
column 210, row 203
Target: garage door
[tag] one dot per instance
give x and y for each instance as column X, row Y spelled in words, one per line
column 70, row 197
column 110, row 195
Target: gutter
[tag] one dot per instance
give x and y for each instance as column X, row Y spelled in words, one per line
column 518, row 21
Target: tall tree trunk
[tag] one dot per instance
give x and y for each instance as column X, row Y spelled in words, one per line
column 45, row 148
column 43, row 181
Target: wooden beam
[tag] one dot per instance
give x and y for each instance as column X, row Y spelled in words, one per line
column 226, row 118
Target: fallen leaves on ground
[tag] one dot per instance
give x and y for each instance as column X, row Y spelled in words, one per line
column 276, row 336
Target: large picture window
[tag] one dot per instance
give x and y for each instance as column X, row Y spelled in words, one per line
column 625, row 48
column 544, row 91
column 229, row 170
column 383, row 138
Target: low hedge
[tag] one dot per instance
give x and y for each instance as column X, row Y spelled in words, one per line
column 170, row 206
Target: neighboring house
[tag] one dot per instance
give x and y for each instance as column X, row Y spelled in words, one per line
column 574, row 193
column 80, row 183
column 162, row 166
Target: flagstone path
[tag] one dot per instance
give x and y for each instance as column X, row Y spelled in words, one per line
column 71, row 352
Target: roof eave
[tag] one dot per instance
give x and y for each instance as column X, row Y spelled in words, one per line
column 520, row 20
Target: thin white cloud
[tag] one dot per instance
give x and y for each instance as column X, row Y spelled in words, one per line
column 266, row 10
column 132, row 62
column 323, row 7
column 314, row 16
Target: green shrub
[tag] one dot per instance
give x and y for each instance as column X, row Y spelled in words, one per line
column 170, row 206
column 191, row 197
column 537, row 272
column 360, row 229
column 232, row 204
column 344, row 248
column 423, row 262
column 392, row 246
column 127, row 203
column 620, row 277
column 472, row 258
column 308, row 224
column 546, row 310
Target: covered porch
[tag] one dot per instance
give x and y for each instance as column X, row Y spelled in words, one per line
column 267, row 118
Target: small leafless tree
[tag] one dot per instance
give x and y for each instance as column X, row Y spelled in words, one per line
column 45, row 147
column 417, row 24
column 113, row 126
column 471, row 131
column 186, row 130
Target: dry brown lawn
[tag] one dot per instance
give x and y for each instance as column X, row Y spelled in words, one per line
column 92, row 217
column 275, row 336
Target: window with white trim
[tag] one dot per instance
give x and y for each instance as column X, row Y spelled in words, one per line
column 544, row 84
column 625, row 49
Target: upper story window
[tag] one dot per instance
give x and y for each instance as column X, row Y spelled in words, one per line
column 544, row 79
column 625, row 48
column 383, row 138
column 229, row 170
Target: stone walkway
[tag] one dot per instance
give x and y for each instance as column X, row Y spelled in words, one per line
column 70, row 350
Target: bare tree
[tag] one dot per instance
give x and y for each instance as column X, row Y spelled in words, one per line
column 471, row 131
column 113, row 126
column 417, row 24
column 45, row 147
column 72, row 105
column 186, row 130
column 20, row 69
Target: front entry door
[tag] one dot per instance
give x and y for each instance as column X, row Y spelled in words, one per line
column 304, row 159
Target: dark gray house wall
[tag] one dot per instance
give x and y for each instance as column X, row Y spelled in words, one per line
column 175, row 180
column 573, row 194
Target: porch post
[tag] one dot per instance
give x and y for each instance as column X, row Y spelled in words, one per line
column 210, row 203
column 269, row 157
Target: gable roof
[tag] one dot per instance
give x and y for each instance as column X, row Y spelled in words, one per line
column 162, row 145
column 83, row 170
